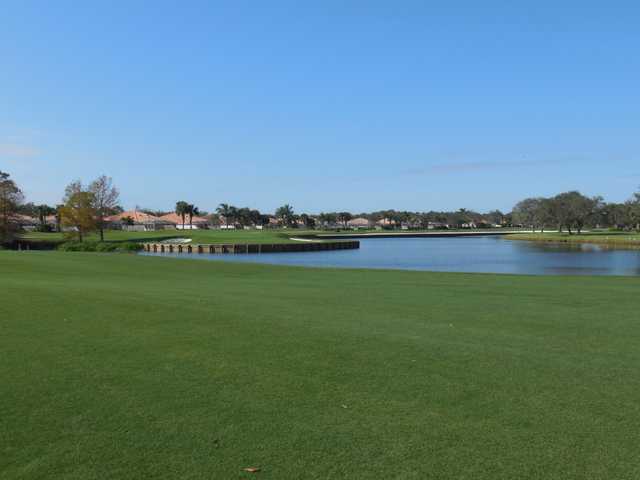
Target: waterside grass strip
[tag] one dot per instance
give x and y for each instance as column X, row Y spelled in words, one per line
column 623, row 240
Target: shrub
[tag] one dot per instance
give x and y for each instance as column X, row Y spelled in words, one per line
column 75, row 246
column 106, row 247
column 129, row 247
column 100, row 247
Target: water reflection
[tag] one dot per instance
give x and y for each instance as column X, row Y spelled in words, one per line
column 478, row 254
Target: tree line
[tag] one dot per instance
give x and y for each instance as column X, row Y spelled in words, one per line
column 572, row 211
column 85, row 208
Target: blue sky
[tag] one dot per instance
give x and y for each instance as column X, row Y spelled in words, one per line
column 356, row 105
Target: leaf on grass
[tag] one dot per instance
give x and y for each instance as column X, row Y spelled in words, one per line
column 252, row 469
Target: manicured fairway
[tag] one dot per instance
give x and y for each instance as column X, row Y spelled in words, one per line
column 116, row 366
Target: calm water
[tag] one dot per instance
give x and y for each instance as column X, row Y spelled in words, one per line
column 479, row 254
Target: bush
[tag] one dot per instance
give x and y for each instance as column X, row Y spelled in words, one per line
column 75, row 246
column 100, row 247
column 106, row 247
column 129, row 247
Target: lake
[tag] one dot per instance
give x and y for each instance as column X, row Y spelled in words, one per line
column 457, row 254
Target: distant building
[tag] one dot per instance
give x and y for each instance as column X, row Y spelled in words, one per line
column 136, row 221
column 273, row 222
column 437, row 226
column 25, row 222
column 359, row 222
column 196, row 223
column 226, row 223
column 385, row 222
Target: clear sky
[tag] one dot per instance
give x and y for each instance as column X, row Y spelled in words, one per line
column 326, row 105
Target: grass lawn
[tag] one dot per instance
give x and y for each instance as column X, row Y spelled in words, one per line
column 128, row 367
column 214, row 235
column 603, row 238
column 197, row 236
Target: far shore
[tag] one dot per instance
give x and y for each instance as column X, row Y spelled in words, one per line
column 434, row 233
column 616, row 239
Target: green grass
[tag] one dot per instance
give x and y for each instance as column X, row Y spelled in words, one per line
column 197, row 236
column 602, row 238
column 131, row 367
column 213, row 236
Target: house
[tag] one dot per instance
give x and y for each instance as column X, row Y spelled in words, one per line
column 273, row 222
column 195, row 223
column 386, row 223
column 468, row 225
column 358, row 223
column 226, row 223
column 437, row 226
column 52, row 221
column 25, row 222
column 136, row 221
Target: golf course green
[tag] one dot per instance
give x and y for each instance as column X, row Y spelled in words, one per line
column 130, row 367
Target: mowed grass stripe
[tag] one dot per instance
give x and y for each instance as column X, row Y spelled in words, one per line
column 116, row 366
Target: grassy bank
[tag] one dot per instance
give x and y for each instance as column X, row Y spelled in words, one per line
column 135, row 367
column 197, row 236
column 602, row 238
column 229, row 236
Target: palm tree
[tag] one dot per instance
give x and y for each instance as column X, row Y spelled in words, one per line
column 182, row 209
column 344, row 217
column 224, row 210
column 192, row 211
column 463, row 217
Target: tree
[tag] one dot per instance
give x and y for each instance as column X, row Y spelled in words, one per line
column 58, row 215
column 344, row 217
column 255, row 217
column 10, row 199
column 327, row 219
column 182, row 209
column 574, row 210
column 243, row 216
column 191, row 211
column 581, row 209
column 286, row 215
column 495, row 217
column 633, row 211
column 43, row 212
column 462, row 217
column 308, row 221
column 105, row 200
column 225, row 210
column 528, row 212
column 78, row 210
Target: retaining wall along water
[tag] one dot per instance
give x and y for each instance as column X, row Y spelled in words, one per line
column 222, row 248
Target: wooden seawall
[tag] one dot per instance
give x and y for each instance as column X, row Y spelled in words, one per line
column 222, row 248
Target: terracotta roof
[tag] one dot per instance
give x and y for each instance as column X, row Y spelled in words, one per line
column 137, row 216
column 358, row 222
column 177, row 219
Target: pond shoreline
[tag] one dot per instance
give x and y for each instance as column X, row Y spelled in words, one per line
column 410, row 234
column 609, row 241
